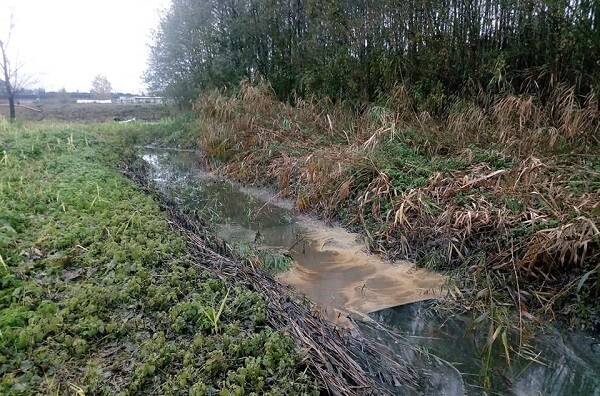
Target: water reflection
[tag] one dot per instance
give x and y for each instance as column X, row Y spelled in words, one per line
column 568, row 362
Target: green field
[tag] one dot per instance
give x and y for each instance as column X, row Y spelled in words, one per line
column 86, row 113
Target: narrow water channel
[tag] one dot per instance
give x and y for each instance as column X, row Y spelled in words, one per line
column 332, row 268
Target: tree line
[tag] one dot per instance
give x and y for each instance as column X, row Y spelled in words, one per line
column 359, row 49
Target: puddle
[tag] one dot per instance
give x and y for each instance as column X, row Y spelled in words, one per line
column 332, row 268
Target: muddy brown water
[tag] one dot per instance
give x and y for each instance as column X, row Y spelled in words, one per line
column 332, row 268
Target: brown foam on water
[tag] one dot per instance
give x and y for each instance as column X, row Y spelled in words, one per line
column 333, row 269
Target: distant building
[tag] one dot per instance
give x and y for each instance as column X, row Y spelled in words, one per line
column 97, row 101
column 141, row 99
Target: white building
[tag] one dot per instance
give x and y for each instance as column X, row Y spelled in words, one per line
column 141, row 99
column 97, row 101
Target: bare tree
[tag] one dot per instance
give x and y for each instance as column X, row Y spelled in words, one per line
column 101, row 87
column 10, row 71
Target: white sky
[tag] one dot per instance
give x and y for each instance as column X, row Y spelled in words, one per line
column 65, row 43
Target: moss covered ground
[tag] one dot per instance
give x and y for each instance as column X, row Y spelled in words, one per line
column 98, row 295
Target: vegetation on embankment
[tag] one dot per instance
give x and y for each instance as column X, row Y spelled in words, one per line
column 462, row 135
column 505, row 197
column 99, row 296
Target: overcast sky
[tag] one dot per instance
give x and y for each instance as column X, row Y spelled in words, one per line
column 65, row 43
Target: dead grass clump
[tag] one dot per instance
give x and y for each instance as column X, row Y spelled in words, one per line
column 524, row 219
column 467, row 121
column 320, row 179
column 402, row 103
column 561, row 247
column 517, row 113
column 218, row 143
column 282, row 169
column 574, row 120
column 378, row 123
column 528, row 126
column 214, row 105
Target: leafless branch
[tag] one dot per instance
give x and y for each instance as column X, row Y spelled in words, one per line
column 14, row 79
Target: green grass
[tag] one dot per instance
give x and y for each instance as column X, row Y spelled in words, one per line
column 270, row 260
column 98, row 295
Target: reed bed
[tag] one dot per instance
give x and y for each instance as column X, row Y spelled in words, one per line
column 503, row 192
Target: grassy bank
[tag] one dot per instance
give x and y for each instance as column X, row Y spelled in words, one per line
column 503, row 195
column 99, row 296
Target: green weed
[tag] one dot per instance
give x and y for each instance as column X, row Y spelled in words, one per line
column 214, row 315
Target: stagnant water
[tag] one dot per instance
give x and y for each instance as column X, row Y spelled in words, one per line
column 330, row 264
column 332, row 268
